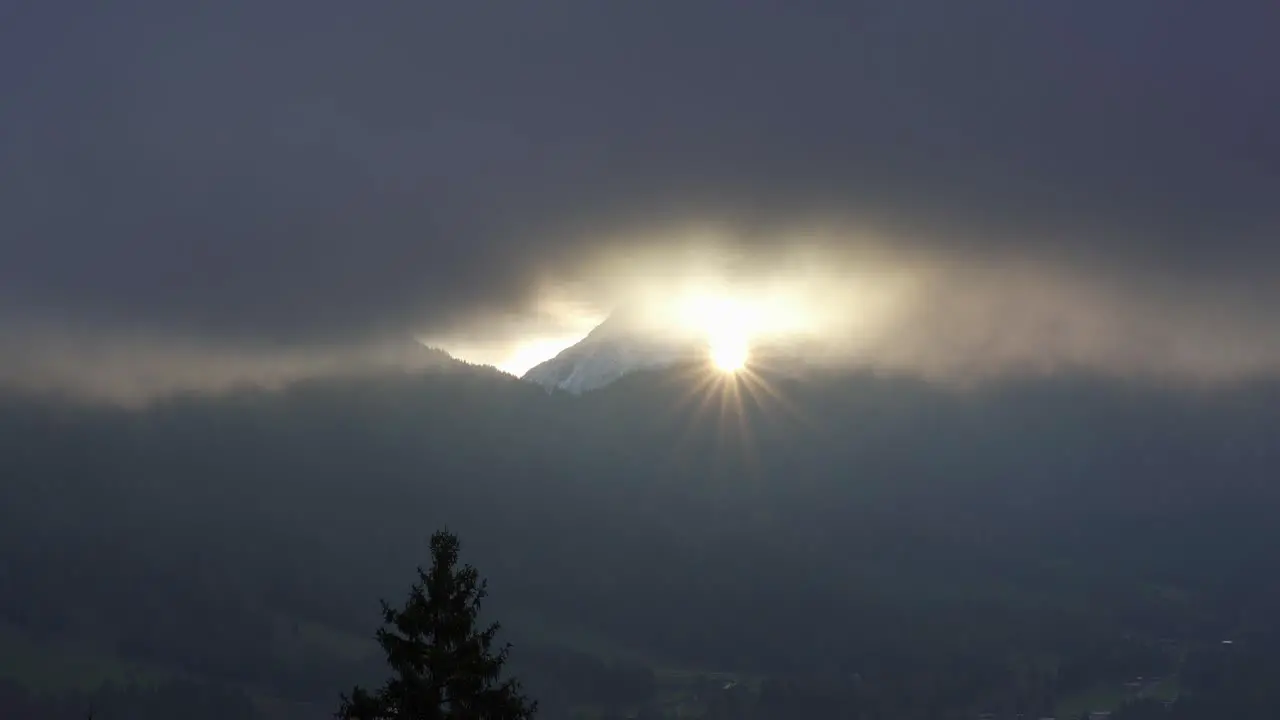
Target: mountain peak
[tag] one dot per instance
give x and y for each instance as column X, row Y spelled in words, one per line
column 614, row 348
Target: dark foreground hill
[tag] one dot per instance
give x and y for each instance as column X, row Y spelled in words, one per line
column 876, row 532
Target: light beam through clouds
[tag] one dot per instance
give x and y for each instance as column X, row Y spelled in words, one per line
column 850, row 302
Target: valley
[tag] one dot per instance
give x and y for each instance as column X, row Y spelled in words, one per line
column 646, row 546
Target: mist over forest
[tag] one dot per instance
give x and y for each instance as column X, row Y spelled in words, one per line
column 881, row 542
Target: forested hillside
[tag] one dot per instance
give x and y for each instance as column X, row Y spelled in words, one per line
column 853, row 541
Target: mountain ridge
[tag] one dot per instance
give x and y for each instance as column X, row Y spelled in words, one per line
column 612, row 349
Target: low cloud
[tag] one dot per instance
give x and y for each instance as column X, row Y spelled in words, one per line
column 851, row 300
column 131, row 367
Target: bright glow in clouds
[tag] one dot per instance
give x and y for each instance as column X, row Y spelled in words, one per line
column 514, row 343
column 855, row 302
column 728, row 326
column 844, row 301
column 722, row 316
column 707, row 313
column 527, row 354
column 729, row 354
column 514, row 357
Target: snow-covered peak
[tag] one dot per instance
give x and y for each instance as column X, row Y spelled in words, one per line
column 611, row 350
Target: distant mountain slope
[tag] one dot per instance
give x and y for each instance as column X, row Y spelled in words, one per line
column 610, row 351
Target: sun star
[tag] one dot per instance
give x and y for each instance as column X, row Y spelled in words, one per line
column 729, row 355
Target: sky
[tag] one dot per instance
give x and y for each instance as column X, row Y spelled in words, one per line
column 284, row 187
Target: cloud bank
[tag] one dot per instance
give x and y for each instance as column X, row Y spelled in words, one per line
column 1052, row 184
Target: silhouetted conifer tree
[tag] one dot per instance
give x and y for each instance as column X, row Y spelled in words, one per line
column 444, row 668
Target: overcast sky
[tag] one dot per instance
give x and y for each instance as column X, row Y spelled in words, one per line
column 321, row 173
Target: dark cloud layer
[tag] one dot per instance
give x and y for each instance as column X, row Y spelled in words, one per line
column 318, row 171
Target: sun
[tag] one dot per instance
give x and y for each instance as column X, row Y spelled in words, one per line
column 729, row 355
